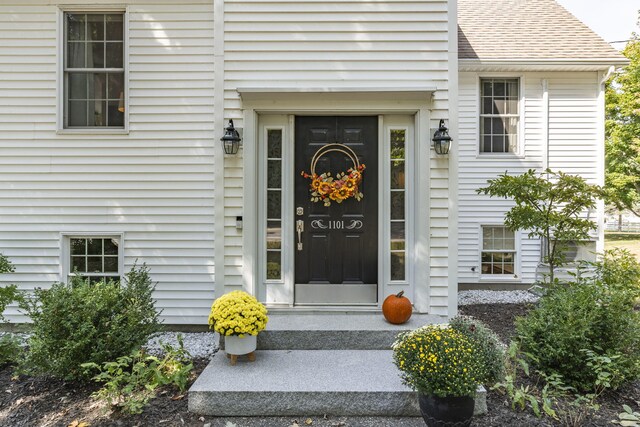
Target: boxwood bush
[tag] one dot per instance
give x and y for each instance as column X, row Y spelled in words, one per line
column 79, row 322
column 595, row 313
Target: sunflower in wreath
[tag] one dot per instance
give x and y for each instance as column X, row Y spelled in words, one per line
column 325, row 188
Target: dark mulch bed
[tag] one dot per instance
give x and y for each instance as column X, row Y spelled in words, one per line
column 30, row 402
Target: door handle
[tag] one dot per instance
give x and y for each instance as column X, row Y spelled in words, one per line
column 299, row 230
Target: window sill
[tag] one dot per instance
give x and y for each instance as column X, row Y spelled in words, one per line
column 507, row 156
column 92, row 132
column 501, row 279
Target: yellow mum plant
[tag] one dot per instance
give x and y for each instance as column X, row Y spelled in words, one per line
column 237, row 313
column 439, row 361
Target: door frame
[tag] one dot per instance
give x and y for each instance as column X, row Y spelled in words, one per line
column 280, row 295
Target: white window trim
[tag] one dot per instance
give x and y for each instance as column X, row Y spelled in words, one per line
column 517, row 276
column 60, row 48
column 65, row 251
column 520, row 145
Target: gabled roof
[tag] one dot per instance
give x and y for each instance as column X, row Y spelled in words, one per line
column 527, row 30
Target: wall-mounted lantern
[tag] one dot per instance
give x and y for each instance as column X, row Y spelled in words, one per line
column 231, row 139
column 441, row 139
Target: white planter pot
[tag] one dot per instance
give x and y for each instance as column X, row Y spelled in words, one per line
column 239, row 346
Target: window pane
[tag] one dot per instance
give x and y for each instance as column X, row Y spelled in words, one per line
column 274, row 173
column 274, row 204
column 95, row 27
column 274, row 265
column 115, row 86
column 97, row 85
column 110, row 264
column 77, row 86
column 94, row 264
column 397, row 143
column 116, row 117
column 115, row 28
column 499, row 88
column 487, row 105
column 397, row 236
column 274, row 235
column 78, row 246
column 95, row 55
column 75, row 26
column 97, row 113
column 77, row 113
column 79, row 264
column 397, row 266
column 114, row 54
column 94, row 246
column 397, row 205
column 111, row 247
column 274, row 143
column 487, row 88
column 76, row 55
column 397, row 174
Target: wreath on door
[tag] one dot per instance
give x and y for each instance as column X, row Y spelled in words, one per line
column 325, row 188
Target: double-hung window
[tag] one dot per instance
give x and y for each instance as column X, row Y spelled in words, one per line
column 97, row 258
column 498, row 251
column 499, row 115
column 94, row 77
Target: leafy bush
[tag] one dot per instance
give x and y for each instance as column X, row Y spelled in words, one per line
column 80, row 322
column 10, row 293
column 591, row 317
column 490, row 350
column 10, row 350
column 131, row 381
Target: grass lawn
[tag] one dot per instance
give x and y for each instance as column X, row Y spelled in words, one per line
column 629, row 241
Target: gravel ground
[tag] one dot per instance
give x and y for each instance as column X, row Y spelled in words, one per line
column 496, row 297
column 201, row 345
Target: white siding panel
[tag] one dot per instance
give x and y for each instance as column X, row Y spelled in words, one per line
column 573, row 124
column 155, row 184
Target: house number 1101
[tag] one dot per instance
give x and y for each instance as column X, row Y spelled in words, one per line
column 336, row 225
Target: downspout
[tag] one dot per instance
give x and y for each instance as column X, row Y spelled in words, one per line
column 545, row 112
column 601, row 155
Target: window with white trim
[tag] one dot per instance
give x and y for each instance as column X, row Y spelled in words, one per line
column 94, row 86
column 499, row 115
column 96, row 258
column 274, row 205
column 498, row 251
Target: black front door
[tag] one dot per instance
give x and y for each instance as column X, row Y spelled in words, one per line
column 336, row 246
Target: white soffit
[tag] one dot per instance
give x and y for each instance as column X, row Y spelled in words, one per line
column 535, row 65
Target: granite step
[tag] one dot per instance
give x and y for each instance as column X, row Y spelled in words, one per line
column 304, row 382
column 336, row 331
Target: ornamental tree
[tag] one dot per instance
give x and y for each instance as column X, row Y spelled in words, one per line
column 549, row 206
column 622, row 146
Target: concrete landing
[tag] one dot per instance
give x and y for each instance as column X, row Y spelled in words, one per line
column 336, row 331
column 304, row 382
column 318, row 382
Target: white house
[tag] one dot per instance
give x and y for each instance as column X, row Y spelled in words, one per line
column 112, row 114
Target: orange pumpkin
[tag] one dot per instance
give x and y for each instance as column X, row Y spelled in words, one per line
column 397, row 308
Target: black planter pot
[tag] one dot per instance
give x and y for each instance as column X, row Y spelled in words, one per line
column 446, row 411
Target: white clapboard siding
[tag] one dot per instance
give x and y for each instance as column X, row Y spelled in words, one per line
column 337, row 44
column 155, row 184
column 572, row 118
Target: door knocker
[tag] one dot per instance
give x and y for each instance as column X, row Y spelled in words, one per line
column 325, row 188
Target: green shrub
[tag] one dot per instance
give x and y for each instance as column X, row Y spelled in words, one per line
column 591, row 317
column 488, row 344
column 10, row 293
column 10, row 350
column 132, row 380
column 80, row 323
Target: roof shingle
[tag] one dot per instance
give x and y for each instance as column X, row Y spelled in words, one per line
column 527, row 30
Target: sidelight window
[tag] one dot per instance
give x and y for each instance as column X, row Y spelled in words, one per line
column 274, row 205
column 94, row 86
column 398, row 222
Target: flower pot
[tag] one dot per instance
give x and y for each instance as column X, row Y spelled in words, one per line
column 446, row 411
column 237, row 346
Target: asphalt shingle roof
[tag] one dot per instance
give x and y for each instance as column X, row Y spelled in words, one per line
column 527, row 30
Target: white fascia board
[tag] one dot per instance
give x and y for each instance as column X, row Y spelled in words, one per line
column 538, row 64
